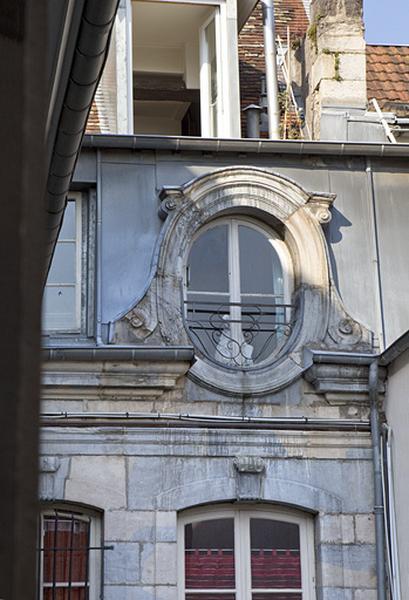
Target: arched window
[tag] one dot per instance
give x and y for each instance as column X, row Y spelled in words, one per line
column 245, row 554
column 238, row 281
column 70, row 554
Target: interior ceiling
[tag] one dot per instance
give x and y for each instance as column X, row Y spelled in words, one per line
column 164, row 24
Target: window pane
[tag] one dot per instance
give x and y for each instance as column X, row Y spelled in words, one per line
column 65, row 594
column 59, row 308
column 208, row 262
column 262, row 325
column 210, row 34
column 65, row 546
column 63, row 267
column 209, row 555
column 211, row 596
column 260, row 268
column 208, row 320
column 270, row 596
column 275, row 555
column 68, row 229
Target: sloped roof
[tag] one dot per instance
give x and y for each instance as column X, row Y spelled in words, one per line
column 387, row 75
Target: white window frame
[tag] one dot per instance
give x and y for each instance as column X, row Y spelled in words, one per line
column 242, row 515
column 205, row 80
column 234, row 294
column 95, row 541
column 77, row 198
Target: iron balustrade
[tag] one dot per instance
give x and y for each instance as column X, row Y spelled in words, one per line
column 238, row 334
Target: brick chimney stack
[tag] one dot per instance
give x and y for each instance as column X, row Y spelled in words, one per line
column 335, row 64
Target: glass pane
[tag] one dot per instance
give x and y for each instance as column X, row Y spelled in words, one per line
column 211, row 596
column 68, row 228
column 275, row 554
column 208, row 262
column 210, row 35
column 208, row 320
column 260, row 267
column 262, row 325
column 65, row 594
column 63, row 267
column 279, row 596
column 65, row 555
column 209, row 555
column 59, row 308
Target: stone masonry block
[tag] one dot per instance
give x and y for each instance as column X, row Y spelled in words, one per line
column 145, row 482
column 166, row 526
column 128, row 592
column 365, row 529
column 147, row 563
column 97, row 480
column 330, row 593
column 352, row 566
column 365, row 595
column 166, row 592
column 165, row 558
column 352, row 66
column 323, row 68
column 129, row 526
column 122, row 564
column 343, row 93
column 338, row 529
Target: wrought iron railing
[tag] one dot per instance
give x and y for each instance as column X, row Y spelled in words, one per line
column 238, row 334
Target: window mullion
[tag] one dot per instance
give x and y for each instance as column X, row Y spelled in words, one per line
column 234, row 268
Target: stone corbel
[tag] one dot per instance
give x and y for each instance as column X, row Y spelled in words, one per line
column 48, row 468
column 170, row 197
column 250, row 471
column 319, row 205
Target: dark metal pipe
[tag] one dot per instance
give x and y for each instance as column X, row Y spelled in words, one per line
column 119, row 353
column 134, row 419
column 88, row 61
column 378, row 492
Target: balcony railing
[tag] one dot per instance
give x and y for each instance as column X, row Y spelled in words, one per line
column 236, row 334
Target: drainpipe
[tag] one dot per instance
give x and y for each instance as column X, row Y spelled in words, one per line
column 273, row 111
column 377, row 465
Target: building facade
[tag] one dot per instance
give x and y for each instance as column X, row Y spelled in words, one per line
column 211, row 314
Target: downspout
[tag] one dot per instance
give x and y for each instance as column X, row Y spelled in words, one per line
column 378, row 492
column 273, row 110
column 88, row 61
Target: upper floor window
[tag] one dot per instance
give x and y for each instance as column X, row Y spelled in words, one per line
column 67, row 299
column 172, row 69
column 70, row 555
column 246, row 553
column 238, row 289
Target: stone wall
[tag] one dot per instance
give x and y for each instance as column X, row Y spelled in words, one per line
column 141, row 479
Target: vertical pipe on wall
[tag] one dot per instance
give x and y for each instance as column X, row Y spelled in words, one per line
column 98, row 277
column 378, row 492
column 380, row 318
column 273, row 110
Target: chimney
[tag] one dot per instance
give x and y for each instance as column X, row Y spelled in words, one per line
column 335, row 65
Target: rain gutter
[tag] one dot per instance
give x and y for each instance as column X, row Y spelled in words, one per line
column 119, row 353
column 245, row 145
column 89, row 57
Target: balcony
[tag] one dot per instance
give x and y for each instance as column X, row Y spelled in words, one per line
column 238, row 335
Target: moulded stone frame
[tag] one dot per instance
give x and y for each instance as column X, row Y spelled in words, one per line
column 270, row 198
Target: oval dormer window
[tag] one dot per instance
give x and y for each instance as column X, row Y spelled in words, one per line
column 238, row 293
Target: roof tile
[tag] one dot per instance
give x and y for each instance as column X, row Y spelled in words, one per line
column 387, row 75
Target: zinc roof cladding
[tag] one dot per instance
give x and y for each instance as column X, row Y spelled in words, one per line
column 387, row 74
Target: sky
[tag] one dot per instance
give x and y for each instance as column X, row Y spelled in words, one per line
column 386, row 21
